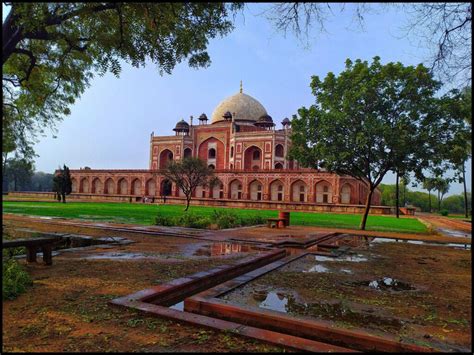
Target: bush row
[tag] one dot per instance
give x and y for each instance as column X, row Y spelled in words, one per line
column 15, row 279
column 221, row 219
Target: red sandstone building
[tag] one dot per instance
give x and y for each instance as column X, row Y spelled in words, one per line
column 249, row 157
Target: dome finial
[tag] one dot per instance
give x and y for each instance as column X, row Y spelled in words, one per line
column 240, row 86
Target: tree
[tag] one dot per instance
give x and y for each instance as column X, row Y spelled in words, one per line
column 442, row 186
column 461, row 106
column 51, row 51
column 62, row 183
column 41, row 181
column 429, row 184
column 444, row 28
column 17, row 173
column 188, row 174
column 370, row 120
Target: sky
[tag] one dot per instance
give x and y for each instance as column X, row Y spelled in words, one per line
column 110, row 125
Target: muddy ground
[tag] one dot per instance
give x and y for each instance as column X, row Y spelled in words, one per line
column 418, row 294
column 67, row 308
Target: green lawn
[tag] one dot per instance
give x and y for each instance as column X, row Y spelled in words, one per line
column 145, row 214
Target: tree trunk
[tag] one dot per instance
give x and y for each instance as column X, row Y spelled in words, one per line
column 11, row 36
column 64, row 198
column 188, row 199
column 367, row 208
column 429, row 201
column 439, row 201
column 465, row 192
column 397, row 197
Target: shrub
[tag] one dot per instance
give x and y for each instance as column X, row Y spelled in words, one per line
column 191, row 220
column 165, row 221
column 444, row 212
column 15, row 279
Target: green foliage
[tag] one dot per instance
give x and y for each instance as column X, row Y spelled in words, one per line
column 17, row 173
column 62, row 183
column 51, row 52
column 15, row 280
column 145, row 214
column 191, row 220
column 444, row 212
column 222, row 218
column 188, row 174
column 455, row 203
column 225, row 219
column 372, row 119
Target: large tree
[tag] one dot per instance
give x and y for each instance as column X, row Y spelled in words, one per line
column 17, row 172
column 444, row 28
column 372, row 119
column 429, row 185
column 51, row 51
column 442, row 186
column 188, row 174
column 62, row 183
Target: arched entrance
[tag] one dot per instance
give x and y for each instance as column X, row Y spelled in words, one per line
column 255, row 188
column 276, row 191
column 235, row 191
column 150, row 188
column 165, row 157
column 299, row 191
column 253, row 158
column 166, row 186
column 323, row 192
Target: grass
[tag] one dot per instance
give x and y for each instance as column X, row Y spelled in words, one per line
column 145, row 214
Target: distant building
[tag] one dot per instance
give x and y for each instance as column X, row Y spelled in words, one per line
column 249, row 158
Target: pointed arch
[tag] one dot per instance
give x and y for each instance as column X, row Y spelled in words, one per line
column 346, row 192
column 324, row 192
column 166, row 156
column 136, row 187
column 150, row 187
column 74, row 185
column 97, row 187
column 109, row 186
column 253, row 158
column 235, row 189
column 277, row 190
column 256, row 190
column 299, row 191
column 84, row 185
column 122, row 187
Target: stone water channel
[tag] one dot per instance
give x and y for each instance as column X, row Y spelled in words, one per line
column 302, row 288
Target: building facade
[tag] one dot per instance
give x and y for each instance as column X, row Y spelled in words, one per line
column 249, row 156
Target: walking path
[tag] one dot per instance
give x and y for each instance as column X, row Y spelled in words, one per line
column 249, row 233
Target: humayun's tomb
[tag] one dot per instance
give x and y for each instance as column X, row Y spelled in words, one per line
column 249, row 157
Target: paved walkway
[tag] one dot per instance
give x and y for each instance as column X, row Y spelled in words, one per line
column 250, row 233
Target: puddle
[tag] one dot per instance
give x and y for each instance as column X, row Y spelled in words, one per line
column 275, row 302
column 118, row 256
column 453, row 233
column 178, row 306
column 387, row 284
column 290, row 303
column 349, row 257
column 222, row 248
column 317, row 268
column 420, row 242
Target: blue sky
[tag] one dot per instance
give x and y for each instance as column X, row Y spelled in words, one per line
column 110, row 125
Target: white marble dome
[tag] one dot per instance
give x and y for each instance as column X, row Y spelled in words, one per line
column 244, row 106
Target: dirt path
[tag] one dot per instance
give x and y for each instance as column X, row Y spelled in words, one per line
column 447, row 226
column 67, row 308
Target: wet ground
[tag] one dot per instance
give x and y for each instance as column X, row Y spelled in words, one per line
column 420, row 294
column 409, row 289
